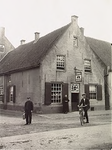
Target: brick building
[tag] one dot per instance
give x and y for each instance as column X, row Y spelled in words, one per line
column 61, row 62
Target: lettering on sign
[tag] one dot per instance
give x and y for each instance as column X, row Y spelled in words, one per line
column 74, row 88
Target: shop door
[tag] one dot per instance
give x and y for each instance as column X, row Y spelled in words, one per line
column 75, row 101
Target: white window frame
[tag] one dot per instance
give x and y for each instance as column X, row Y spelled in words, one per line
column 93, row 92
column 56, row 93
column 60, row 64
column 87, row 66
column 75, row 41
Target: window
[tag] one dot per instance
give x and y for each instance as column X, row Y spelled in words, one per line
column 11, row 93
column 9, row 78
column 92, row 91
column 56, row 93
column 87, row 65
column 61, row 62
column 75, row 41
column 2, row 48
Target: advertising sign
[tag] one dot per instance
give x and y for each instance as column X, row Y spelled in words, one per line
column 74, row 88
column 78, row 76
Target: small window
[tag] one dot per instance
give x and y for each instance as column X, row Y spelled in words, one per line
column 87, row 65
column 75, row 41
column 61, row 62
column 56, row 93
column 2, row 48
column 92, row 91
column 9, row 78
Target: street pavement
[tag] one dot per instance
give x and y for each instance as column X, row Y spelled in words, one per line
column 87, row 137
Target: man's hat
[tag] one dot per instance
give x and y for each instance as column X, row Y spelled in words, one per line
column 28, row 97
column 83, row 94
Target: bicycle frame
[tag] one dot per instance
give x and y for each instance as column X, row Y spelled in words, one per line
column 81, row 114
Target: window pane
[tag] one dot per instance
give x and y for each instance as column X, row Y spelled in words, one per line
column 56, row 93
column 87, row 65
column 60, row 62
column 92, row 91
column 75, row 41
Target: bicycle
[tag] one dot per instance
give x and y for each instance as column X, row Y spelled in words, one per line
column 81, row 109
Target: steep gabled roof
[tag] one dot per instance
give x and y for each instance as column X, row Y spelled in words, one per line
column 102, row 49
column 29, row 55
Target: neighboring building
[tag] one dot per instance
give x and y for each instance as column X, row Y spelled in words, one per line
column 103, row 51
column 5, row 45
column 62, row 62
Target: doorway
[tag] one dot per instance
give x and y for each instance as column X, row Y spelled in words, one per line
column 75, row 101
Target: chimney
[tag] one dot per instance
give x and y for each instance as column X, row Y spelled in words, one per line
column 37, row 35
column 74, row 18
column 82, row 30
column 22, row 42
column 2, row 32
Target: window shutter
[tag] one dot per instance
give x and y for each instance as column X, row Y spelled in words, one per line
column 47, row 93
column 64, row 89
column 7, row 93
column 99, row 92
column 87, row 90
column 14, row 94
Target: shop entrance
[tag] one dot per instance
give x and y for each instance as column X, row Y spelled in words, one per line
column 75, row 101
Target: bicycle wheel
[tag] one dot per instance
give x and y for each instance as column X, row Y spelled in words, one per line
column 81, row 120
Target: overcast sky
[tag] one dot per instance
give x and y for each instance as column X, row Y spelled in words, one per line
column 21, row 18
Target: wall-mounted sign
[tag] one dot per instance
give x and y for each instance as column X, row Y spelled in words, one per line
column 78, row 76
column 74, row 88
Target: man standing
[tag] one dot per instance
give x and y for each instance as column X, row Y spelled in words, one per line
column 86, row 104
column 28, row 111
column 65, row 104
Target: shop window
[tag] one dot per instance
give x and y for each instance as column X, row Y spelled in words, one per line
column 60, row 62
column 56, row 93
column 2, row 48
column 87, row 65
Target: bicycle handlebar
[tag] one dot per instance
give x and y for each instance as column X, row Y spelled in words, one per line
column 82, row 106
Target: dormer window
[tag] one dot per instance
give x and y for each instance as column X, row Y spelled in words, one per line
column 60, row 62
column 2, row 48
column 75, row 41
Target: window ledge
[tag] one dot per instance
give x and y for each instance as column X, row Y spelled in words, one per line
column 60, row 70
column 87, row 72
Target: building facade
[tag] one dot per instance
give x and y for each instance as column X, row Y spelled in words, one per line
column 49, row 67
column 5, row 47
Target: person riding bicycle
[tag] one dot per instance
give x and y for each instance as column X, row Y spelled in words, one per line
column 86, row 105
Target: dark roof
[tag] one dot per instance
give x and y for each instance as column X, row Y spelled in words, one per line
column 29, row 55
column 102, row 49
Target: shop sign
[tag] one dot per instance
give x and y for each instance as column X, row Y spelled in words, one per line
column 74, row 88
column 78, row 76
